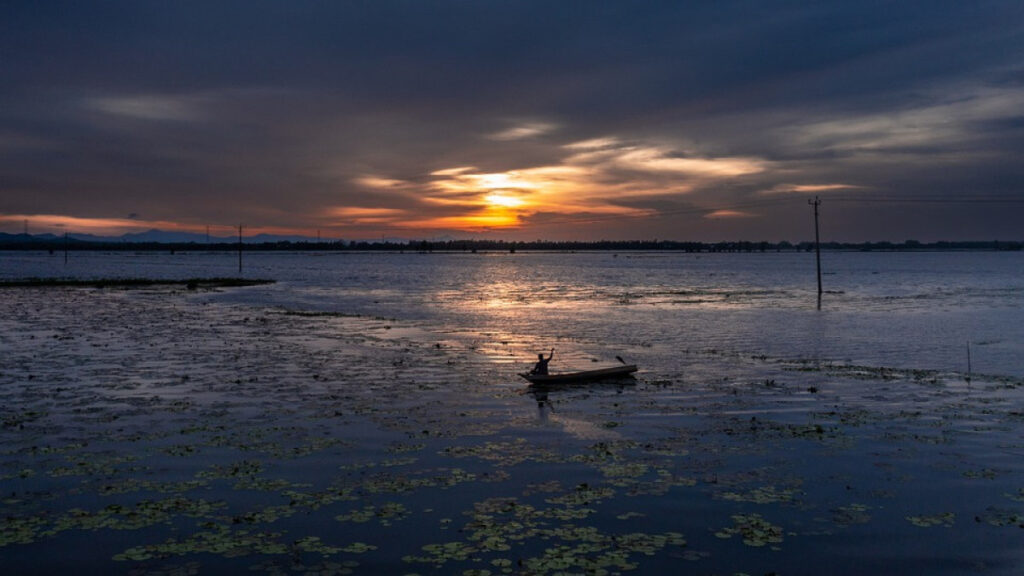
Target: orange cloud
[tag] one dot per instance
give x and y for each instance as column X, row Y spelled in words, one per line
column 380, row 183
column 54, row 223
column 59, row 224
column 808, row 188
column 359, row 215
column 592, row 180
column 728, row 214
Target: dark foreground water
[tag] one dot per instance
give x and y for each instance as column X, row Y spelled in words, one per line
column 362, row 415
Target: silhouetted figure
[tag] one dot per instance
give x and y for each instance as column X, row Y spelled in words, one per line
column 541, row 367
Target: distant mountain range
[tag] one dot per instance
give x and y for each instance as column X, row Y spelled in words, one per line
column 155, row 236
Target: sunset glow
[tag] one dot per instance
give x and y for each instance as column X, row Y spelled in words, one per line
column 671, row 121
column 503, row 201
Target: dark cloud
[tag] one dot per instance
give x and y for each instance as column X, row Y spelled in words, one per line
column 283, row 113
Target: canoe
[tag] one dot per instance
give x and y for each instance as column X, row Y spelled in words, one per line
column 583, row 376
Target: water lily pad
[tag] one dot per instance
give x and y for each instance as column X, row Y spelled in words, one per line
column 945, row 520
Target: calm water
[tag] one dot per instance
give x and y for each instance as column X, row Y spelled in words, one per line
column 918, row 311
column 362, row 415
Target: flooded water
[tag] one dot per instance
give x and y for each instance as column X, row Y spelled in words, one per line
column 362, row 415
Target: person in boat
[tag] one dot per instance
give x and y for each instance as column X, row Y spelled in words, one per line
column 541, row 367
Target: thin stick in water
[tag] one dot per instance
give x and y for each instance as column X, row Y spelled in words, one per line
column 968, row 360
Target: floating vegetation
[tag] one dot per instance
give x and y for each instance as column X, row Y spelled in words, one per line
column 755, row 530
column 763, row 495
column 630, row 515
column 507, row 453
column 401, row 483
column 597, row 553
column 583, row 495
column 21, row 530
column 402, row 447
column 222, row 471
column 25, row 530
column 92, row 465
column 660, row 486
column 624, row 470
column 945, row 520
column 290, row 568
column 984, row 474
column 384, row 513
column 170, row 430
column 218, row 540
column 851, row 514
column 999, row 517
column 315, row 545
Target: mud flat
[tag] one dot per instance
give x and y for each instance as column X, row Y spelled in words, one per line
column 161, row 431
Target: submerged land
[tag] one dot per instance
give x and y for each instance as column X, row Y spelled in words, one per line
column 160, row 431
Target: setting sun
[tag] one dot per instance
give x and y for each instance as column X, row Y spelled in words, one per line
column 503, row 200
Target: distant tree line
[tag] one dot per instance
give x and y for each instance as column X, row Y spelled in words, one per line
column 22, row 242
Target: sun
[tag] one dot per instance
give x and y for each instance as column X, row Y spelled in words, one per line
column 503, row 200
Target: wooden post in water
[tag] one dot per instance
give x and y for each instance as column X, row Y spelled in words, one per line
column 239, row 248
column 817, row 244
column 968, row 361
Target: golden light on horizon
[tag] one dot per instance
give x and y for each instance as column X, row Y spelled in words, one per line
column 487, row 220
column 589, row 182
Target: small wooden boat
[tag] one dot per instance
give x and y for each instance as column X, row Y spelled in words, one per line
column 582, row 376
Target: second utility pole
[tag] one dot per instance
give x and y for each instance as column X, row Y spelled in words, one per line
column 817, row 244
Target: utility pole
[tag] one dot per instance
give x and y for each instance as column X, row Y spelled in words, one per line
column 239, row 248
column 817, row 244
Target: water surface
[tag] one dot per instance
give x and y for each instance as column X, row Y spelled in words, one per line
column 362, row 415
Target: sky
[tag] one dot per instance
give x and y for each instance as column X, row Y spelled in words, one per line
column 516, row 120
